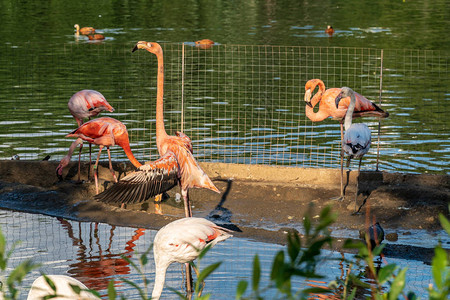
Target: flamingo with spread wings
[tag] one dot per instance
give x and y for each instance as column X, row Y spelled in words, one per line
column 107, row 132
column 86, row 104
column 182, row 241
column 177, row 150
column 357, row 137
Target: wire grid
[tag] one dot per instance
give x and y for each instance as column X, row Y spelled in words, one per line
column 249, row 108
column 238, row 103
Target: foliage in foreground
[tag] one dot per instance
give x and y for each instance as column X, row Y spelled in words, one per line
column 299, row 259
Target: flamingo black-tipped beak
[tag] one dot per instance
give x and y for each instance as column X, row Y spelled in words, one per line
column 337, row 100
column 135, row 48
column 307, row 98
column 59, row 173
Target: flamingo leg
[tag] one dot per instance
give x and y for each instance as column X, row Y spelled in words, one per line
column 158, row 200
column 341, row 197
column 188, row 213
column 357, row 181
column 79, row 161
column 110, row 165
column 90, row 161
column 96, row 169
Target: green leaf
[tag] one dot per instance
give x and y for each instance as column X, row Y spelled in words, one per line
column 256, row 273
column 445, row 222
column 204, row 251
column 207, row 271
column 144, row 259
column 386, row 272
column 241, row 288
column 293, row 245
column 438, row 266
column 277, row 266
column 397, row 285
column 112, row 294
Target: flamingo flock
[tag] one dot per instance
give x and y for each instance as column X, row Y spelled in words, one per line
column 182, row 240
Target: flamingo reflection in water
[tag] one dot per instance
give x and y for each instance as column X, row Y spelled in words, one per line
column 95, row 271
column 176, row 165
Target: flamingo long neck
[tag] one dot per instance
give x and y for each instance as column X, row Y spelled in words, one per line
column 73, row 146
column 160, row 278
column 160, row 129
column 320, row 115
column 349, row 113
column 127, row 149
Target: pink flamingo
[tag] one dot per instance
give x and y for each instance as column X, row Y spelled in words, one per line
column 328, row 108
column 86, row 104
column 145, row 181
column 182, row 241
column 104, row 132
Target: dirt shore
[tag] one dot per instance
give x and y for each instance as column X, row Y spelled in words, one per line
column 261, row 202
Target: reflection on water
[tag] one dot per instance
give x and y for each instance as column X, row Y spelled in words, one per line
column 93, row 253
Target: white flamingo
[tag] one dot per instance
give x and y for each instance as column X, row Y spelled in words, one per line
column 357, row 137
column 41, row 289
column 182, row 241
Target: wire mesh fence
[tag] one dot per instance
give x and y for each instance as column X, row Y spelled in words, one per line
column 238, row 103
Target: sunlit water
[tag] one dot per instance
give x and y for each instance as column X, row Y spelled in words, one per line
column 93, row 253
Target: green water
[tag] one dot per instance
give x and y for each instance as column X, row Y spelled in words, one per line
column 242, row 99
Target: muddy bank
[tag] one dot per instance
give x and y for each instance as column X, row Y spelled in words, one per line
column 263, row 202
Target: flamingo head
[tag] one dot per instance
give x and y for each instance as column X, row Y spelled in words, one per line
column 307, row 98
column 59, row 170
column 310, row 86
column 344, row 93
column 152, row 47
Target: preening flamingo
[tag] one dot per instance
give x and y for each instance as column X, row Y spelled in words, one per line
column 182, row 241
column 329, row 30
column 40, row 289
column 179, row 163
column 204, row 44
column 357, row 137
column 84, row 30
column 104, row 132
column 86, row 104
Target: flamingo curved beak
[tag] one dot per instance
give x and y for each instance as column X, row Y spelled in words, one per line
column 338, row 99
column 307, row 98
column 141, row 45
column 59, row 170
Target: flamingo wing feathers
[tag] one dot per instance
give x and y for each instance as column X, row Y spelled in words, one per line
column 147, row 181
column 187, row 141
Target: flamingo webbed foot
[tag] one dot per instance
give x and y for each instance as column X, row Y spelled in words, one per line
column 340, row 198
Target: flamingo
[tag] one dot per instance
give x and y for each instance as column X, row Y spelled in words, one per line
column 182, row 241
column 204, row 44
column 84, row 30
column 329, row 30
column 327, row 107
column 357, row 137
column 96, row 37
column 146, row 181
column 104, row 132
column 41, row 289
column 86, row 104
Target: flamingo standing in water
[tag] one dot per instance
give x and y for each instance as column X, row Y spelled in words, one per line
column 357, row 137
column 104, row 132
column 182, row 241
column 86, row 104
column 180, row 163
column 327, row 107
column 84, row 30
